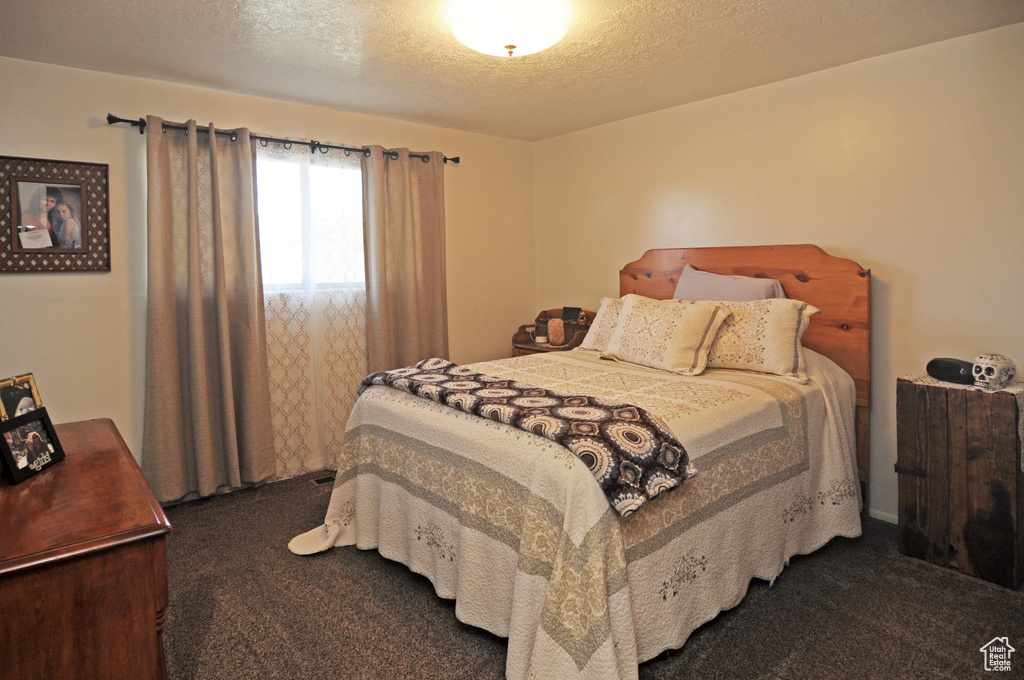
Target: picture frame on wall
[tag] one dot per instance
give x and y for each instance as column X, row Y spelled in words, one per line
column 53, row 216
column 47, row 215
column 18, row 395
column 28, row 445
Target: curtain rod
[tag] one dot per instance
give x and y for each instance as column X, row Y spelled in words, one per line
column 313, row 145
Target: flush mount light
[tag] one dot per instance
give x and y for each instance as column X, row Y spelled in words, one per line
column 509, row 27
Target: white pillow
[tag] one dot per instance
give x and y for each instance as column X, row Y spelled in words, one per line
column 764, row 336
column 698, row 285
column 604, row 323
column 665, row 334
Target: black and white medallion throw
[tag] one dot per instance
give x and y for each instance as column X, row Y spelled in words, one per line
column 630, row 452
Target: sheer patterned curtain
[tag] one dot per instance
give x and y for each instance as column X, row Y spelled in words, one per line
column 311, row 242
column 207, row 407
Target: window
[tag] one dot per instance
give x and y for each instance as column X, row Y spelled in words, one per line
column 310, row 210
column 311, row 222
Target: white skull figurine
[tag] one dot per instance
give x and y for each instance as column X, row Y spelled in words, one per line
column 993, row 371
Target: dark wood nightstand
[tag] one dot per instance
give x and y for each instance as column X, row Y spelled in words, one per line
column 961, row 481
column 522, row 344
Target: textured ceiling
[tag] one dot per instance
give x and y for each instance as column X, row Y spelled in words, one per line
column 397, row 58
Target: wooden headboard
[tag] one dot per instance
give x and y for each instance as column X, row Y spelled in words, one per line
column 840, row 288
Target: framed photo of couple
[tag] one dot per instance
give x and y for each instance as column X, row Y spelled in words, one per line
column 53, row 216
column 28, row 441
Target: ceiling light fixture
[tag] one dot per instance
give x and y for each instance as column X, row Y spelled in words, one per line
column 515, row 27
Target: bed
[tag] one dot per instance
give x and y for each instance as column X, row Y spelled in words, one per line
column 516, row 529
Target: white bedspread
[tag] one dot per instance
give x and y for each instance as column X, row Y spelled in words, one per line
column 517, row 530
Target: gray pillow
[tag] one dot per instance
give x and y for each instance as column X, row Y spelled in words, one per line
column 698, row 285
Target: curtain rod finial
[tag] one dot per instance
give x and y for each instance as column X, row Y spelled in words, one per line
column 140, row 123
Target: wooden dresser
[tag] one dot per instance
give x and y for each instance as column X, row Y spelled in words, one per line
column 961, row 477
column 83, row 568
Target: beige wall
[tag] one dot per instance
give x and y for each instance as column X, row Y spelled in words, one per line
column 83, row 335
column 911, row 164
column 901, row 163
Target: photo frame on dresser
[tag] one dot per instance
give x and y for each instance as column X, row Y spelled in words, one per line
column 18, row 395
column 53, row 216
column 28, row 445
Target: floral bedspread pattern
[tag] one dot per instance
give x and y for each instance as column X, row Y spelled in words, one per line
column 631, row 453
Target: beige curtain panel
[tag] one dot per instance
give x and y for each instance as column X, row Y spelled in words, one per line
column 406, row 298
column 207, row 410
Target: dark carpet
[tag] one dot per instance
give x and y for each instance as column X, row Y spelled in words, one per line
column 242, row 606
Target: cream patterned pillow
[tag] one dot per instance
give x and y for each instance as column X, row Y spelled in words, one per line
column 666, row 334
column 604, row 323
column 764, row 336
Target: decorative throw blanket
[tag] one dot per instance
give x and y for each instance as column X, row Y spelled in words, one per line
column 630, row 452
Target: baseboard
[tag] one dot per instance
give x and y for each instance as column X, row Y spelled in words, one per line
column 884, row 516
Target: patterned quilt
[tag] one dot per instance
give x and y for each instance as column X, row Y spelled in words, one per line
column 514, row 527
column 631, row 453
